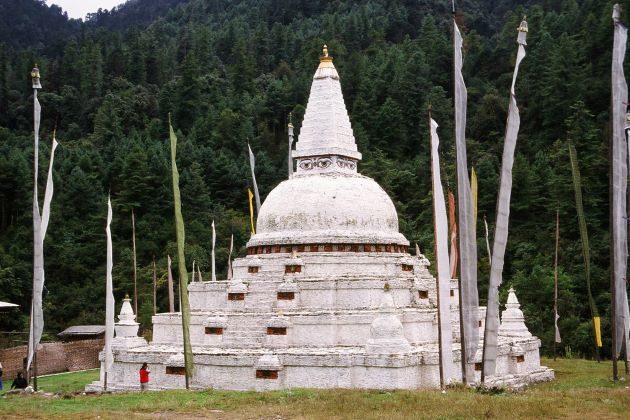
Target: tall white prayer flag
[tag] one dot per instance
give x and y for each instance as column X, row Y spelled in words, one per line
column 290, row 156
column 252, row 165
column 48, row 194
column 485, row 224
column 443, row 271
column 229, row 270
column 109, row 294
column 214, row 240
column 171, row 297
column 619, row 222
column 557, row 338
column 40, row 225
column 503, row 216
column 469, row 298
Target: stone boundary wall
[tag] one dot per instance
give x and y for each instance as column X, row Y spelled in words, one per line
column 53, row 358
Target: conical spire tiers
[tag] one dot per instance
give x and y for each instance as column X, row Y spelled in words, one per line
column 326, row 142
column 512, row 320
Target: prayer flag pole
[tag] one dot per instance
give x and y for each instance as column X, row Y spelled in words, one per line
column 252, row 165
column 171, row 297
column 181, row 262
column 290, row 158
column 135, row 267
column 618, row 175
column 440, row 224
column 555, row 287
column 490, row 341
column 214, row 240
column 154, row 287
column 109, row 298
column 468, row 296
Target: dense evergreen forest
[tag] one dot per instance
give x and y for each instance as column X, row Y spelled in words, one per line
column 230, row 72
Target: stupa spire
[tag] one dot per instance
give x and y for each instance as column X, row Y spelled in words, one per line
column 326, row 142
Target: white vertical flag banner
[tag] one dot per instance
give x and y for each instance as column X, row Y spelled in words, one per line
column 229, row 270
column 290, row 156
column 109, row 294
column 199, row 278
column 194, row 273
column 214, row 240
column 48, row 194
column 485, row 224
column 619, row 183
column 467, row 241
column 443, row 270
column 37, row 316
column 171, row 297
column 503, row 217
column 557, row 338
column 252, row 165
column 40, row 225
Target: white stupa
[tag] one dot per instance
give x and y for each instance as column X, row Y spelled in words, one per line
column 328, row 295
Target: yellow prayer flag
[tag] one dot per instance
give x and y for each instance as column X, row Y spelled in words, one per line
column 473, row 189
column 598, row 331
column 251, row 210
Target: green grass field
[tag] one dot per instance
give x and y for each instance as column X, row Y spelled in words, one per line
column 582, row 389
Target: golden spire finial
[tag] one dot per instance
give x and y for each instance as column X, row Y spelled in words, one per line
column 325, row 57
column 290, row 125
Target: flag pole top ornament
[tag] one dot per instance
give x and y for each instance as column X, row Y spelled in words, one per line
column 290, row 125
column 616, row 12
column 36, row 77
column 522, row 32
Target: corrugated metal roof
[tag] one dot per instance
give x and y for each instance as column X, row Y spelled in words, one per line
column 83, row 330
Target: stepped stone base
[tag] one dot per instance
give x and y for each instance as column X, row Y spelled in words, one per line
column 332, row 367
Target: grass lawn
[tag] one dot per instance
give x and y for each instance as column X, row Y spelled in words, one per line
column 582, row 389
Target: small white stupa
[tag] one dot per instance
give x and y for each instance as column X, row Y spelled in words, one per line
column 328, row 295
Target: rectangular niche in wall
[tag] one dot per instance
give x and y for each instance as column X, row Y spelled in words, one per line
column 286, row 295
column 214, row 330
column 292, row 269
column 236, row 296
column 520, row 359
column 423, row 294
column 252, row 269
column 175, row 370
column 407, row 267
column 276, row 330
column 266, row 374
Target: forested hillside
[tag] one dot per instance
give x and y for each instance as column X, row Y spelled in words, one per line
column 230, row 72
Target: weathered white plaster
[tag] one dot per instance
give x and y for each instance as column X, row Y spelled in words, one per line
column 327, row 208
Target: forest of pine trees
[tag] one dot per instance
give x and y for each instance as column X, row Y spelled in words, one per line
column 230, row 72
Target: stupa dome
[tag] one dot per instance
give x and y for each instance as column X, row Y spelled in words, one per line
column 329, row 208
column 326, row 201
